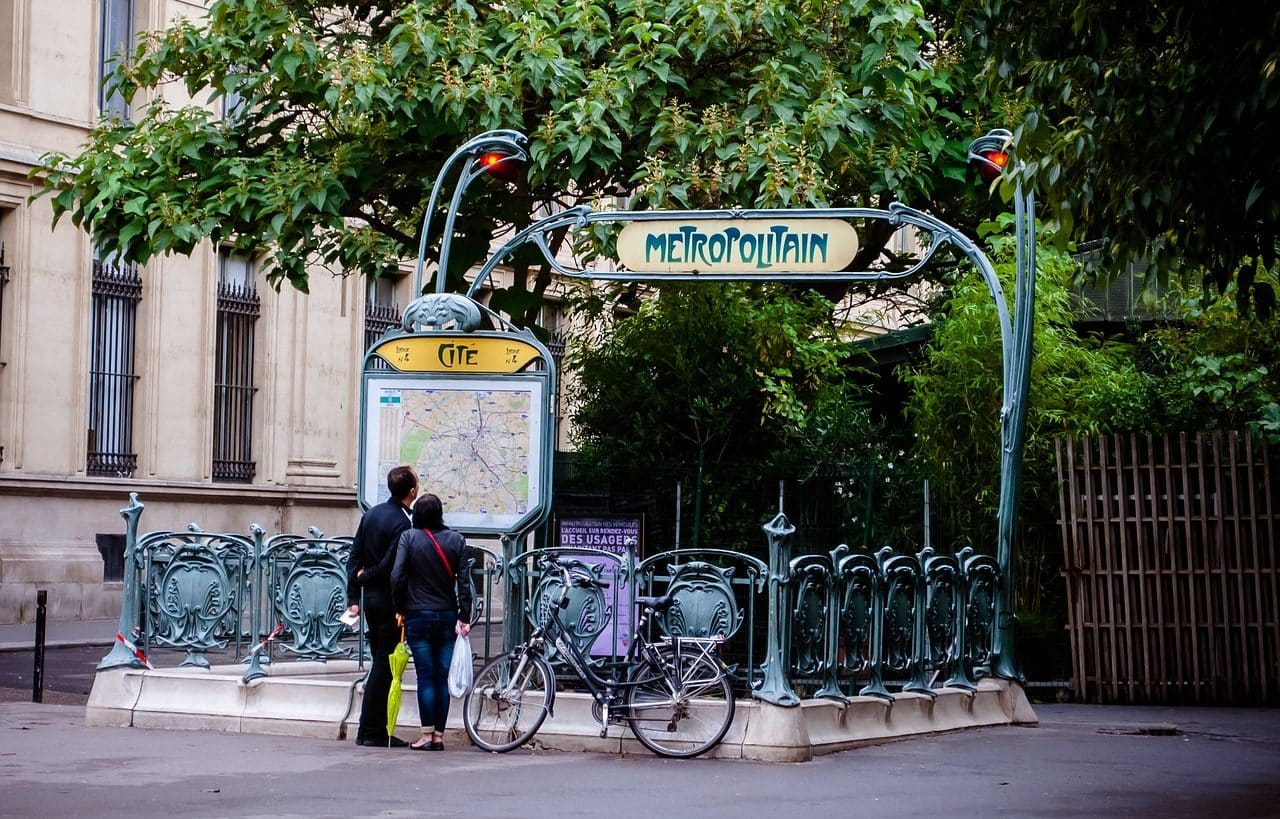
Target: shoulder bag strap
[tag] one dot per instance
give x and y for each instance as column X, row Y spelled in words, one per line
column 440, row 552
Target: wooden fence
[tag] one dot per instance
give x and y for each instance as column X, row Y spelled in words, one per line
column 1171, row 549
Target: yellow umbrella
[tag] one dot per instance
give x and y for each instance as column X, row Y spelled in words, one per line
column 399, row 658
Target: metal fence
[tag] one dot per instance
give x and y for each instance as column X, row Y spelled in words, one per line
column 1172, row 562
column 836, row 623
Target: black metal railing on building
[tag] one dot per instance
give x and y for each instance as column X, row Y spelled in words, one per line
column 233, row 388
column 116, row 292
column 378, row 319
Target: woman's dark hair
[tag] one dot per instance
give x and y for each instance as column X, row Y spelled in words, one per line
column 428, row 513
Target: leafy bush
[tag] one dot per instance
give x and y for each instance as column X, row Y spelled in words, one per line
column 740, row 384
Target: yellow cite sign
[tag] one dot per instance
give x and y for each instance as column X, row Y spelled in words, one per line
column 457, row 354
column 737, row 245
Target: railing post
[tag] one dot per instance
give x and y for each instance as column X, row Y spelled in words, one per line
column 512, row 597
column 831, row 679
column 775, row 688
column 919, row 682
column 121, row 656
column 257, row 606
column 875, row 685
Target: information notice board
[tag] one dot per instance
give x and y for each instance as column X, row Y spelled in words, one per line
column 616, row 534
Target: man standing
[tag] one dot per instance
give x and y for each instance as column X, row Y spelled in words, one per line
column 372, row 555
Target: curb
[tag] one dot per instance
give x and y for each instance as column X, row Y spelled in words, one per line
column 48, row 644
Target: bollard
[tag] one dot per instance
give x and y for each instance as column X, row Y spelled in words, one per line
column 37, row 676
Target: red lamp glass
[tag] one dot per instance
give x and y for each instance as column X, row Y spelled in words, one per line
column 499, row 165
column 994, row 165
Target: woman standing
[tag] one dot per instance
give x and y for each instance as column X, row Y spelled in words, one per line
column 435, row 604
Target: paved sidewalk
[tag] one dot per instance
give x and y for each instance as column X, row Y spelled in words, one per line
column 1083, row 761
column 22, row 636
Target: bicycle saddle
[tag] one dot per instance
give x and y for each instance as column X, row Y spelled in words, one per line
column 657, row 603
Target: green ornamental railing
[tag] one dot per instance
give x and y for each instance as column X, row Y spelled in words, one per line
column 835, row 625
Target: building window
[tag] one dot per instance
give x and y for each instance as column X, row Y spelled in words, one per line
column 551, row 318
column 117, row 289
column 380, row 314
column 238, row 310
column 233, row 104
column 117, row 41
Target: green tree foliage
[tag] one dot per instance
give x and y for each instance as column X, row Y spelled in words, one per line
column 1208, row 366
column 347, row 109
column 744, row 381
column 1144, row 125
column 954, row 410
column 1211, row 367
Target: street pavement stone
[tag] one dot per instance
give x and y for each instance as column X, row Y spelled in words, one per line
column 1082, row 761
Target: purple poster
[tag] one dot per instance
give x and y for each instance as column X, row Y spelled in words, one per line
column 618, row 535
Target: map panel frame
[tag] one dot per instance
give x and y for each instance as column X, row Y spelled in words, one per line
column 507, row 514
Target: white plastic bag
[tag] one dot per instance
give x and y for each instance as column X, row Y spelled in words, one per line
column 460, row 669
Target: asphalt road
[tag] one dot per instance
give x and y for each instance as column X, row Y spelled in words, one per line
column 68, row 674
column 1083, row 761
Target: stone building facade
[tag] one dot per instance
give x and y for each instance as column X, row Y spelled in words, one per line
column 189, row 381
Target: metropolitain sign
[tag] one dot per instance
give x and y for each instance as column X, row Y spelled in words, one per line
column 737, row 245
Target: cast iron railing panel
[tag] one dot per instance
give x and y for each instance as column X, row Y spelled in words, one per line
column 848, row 623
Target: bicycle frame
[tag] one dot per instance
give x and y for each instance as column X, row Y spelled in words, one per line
column 605, row 691
column 652, row 690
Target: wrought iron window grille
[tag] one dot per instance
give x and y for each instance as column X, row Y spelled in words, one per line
column 380, row 315
column 238, row 309
column 116, row 291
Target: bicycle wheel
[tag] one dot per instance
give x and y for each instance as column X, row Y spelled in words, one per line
column 685, row 722
column 509, row 700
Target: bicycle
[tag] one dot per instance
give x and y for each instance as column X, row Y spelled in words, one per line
column 674, row 694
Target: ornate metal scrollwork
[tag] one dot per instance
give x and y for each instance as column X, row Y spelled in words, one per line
column 901, row 573
column 196, row 584
column 441, row 311
column 809, row 615
column 586, row 616
column 859, row 576
column 310, row 599
column 982, row 581
column 704, row 605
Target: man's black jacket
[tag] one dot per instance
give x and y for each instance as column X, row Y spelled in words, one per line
column 374, row 550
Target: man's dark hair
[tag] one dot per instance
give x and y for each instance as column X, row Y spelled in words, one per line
column 401, row 481
column 428, row 513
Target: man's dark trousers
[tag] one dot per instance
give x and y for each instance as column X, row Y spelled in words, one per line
column 383, row 636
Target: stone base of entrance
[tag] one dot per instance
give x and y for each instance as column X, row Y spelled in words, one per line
column 322, row 700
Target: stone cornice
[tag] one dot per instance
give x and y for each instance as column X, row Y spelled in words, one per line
column 224, row 493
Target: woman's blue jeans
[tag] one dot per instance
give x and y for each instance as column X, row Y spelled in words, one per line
column 430, row 636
